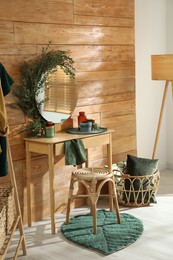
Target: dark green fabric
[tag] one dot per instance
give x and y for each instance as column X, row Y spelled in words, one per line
column 75, row 153
column 6, row 80
column 137, row 166
column 3, row 157
column 110, row 236
column 6, row 83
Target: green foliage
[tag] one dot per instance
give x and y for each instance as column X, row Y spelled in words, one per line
column 34, row 74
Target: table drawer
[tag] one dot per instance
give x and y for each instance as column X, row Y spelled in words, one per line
column 92, row 141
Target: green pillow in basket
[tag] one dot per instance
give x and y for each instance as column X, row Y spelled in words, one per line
column 137, row 166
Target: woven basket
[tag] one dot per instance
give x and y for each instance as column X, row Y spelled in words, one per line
column 7, row 198
column 2, row 225
column 136, row 191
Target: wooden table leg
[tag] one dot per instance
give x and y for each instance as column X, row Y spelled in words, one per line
column 109, row 154
column 28, row 184
column 51, row 187
column 88, row 158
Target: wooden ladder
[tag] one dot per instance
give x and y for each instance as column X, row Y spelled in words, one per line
column 18, row 220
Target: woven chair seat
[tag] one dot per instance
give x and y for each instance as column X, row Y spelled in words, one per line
column 89, row 174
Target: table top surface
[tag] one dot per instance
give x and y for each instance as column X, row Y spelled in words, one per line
column 63, row 136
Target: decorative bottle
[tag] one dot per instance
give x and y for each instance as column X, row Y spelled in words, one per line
column 81, row 118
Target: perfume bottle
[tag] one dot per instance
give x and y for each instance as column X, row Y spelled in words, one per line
column 81, row 118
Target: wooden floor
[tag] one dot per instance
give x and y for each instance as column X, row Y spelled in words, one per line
column 156, row 243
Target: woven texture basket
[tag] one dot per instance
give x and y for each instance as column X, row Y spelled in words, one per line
column 2, row 225
column 7, row 198
column 135, row 191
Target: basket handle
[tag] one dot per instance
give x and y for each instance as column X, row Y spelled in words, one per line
column 124, row 175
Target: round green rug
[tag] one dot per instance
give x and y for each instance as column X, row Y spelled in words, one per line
column 110, row 236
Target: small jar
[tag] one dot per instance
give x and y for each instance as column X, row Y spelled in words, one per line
column 81, row 118
column 85, row 126
column 50, row 130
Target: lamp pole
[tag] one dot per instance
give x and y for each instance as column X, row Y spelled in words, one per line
column 160, row 118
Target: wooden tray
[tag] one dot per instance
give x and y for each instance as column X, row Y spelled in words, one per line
column 77, row 131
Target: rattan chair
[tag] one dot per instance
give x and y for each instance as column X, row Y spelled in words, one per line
column 93, row 180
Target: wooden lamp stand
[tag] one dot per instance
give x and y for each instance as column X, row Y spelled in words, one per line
column 162, row 69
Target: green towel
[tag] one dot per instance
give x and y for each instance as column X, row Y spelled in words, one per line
column 75, row 153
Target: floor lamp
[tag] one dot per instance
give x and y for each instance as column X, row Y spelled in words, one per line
column 162, row 69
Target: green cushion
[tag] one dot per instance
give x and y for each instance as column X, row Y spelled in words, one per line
column 137, row 166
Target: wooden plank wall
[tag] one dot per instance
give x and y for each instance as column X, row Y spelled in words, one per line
column 100, row 36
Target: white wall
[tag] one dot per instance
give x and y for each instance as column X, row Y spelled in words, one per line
column 169, row 41
column 150, row 38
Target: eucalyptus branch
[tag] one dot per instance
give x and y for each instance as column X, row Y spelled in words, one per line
column 34, row 75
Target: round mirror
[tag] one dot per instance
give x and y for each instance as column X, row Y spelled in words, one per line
column 58, row 98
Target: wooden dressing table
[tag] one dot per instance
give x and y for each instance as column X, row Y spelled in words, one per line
column 54, row 147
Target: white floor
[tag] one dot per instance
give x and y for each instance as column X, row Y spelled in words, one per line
column 156, row 242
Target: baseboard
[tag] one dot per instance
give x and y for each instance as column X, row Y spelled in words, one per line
column 163, row 166
column 170, row 166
